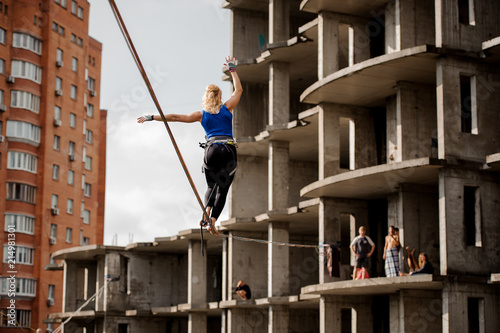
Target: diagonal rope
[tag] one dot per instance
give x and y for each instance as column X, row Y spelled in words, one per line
column 153, row 95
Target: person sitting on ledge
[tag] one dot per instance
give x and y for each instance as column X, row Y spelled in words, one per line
column 424, row 264
column 243, row 290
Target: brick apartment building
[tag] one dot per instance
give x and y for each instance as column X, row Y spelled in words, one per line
column 52, row 151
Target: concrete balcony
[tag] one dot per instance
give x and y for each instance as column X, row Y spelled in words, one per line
column 358, row 8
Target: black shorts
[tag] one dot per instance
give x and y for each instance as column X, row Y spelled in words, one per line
column 362, row 262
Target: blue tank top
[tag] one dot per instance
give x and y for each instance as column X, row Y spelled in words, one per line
column 218, row 124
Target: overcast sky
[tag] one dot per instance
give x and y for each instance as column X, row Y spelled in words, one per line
column 182, row 45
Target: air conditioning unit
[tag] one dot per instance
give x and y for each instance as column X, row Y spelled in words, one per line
column 55, row 211
column 52, row 240
column 71, row 157
column 11, row 79
column 50, row 301
column 59, row 63
column 59, row 92
column 93, row 93
column 57, row 122
column 2, row 138
column 3, row 107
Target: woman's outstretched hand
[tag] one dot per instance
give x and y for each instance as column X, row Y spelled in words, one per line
column 231, row 63
column 142, row 119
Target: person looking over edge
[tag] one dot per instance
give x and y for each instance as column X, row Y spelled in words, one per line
column 220, row 158
column 362, row 246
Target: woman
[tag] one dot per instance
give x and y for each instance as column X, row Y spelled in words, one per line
column 220, row 150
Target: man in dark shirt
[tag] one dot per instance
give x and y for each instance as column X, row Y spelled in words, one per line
column 243, row 290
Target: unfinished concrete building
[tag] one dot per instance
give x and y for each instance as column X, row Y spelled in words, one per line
column 354, row 113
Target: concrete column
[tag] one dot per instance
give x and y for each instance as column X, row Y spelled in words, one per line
column 279, row 93
column 329, row 230
column 278, row 319
column 278, row 174
column 224, row 269
column 329, row 316
column 278, row 264
column 328, row 142
column 197, row 274
column 279, row 20
column 328, row 44
column 197, row 322
column 99, row 302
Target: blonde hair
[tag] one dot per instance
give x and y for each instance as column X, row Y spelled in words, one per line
column 212, row 100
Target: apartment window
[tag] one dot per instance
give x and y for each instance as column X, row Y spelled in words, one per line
column 1, row 96
column 59, row 55
column 57, row 112
column 71, row 177
column 347, row 151
column 79, row 13
column 25, row 100
column 17, row 160
column 22, row 254
column 72, row 120
column 88, row 163
column 53, row 231
column 74, row 6
column 28, row 42
column 73, row 92
column 86, row 241
column 58, row 83
column 91, row 84
column 69, row 206
column 57, row 142
column 79, row 42
column 54, row 201
column 73, row 38
column 2, row 35
column 466, row 12
column 23, row 317
column 61, row 31
column 468, row 104
column 88, row 136
column 475, row 314
column 90, row 110
column 51, row 294
column 69, row 235
column 55, row 26
column 23, row 287
column 86, row 216
column 55, row 172
column 21, row 223
column 472, row 216
column 22, row 131
column 26, row 70
column 2, row 66
column 74, row 64
column 64, row 3
column 71, row 150
column 21, row 192
column 86, row 190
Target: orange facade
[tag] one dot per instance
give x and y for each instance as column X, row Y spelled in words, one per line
column 52, row 151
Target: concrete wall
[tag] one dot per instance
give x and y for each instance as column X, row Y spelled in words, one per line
column 301, row 174
column 251, row 115
column 452, row 142
column 455, row 306
column 416, row 311
column 247, row 25
column 247, row 261
column 417, row 216
column 452, row 34
column 152, row 281
column 251, row 175
column 456, row 256
column 304, row 266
